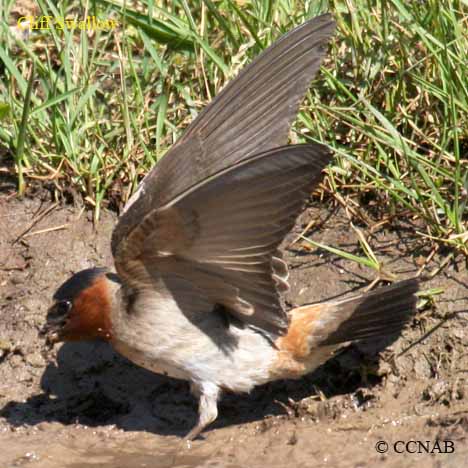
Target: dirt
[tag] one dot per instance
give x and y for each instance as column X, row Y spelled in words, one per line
column 82, row 405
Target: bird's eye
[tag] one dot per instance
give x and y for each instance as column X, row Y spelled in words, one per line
column 62, row 307
column 59, row 311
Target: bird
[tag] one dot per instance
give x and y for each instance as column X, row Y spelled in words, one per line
column 197, row 292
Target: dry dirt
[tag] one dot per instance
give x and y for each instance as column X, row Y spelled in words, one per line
column 82, row 405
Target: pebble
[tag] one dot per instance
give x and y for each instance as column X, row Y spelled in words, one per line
column 35, row 360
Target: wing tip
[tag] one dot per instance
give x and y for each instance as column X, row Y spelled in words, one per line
column 324, row 22
column 320, row 154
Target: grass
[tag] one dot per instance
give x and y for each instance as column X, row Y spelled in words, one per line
column 391, row 100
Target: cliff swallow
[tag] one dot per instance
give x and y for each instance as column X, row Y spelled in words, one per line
column 199, row 278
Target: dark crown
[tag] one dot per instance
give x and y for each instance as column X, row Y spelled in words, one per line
column 78, row 283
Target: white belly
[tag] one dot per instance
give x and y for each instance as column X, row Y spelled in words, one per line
column 150, row 363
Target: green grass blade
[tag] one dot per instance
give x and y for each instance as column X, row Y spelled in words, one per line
column 19, row 154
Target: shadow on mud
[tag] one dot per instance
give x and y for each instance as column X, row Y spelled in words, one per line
column 91, row 385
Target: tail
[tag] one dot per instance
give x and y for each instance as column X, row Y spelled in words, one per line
column 316, row 330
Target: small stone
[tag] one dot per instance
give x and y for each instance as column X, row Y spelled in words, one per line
column 35, row 360
column 30, row 304
column 5, row 346
column 422, row 368
column 16, row 360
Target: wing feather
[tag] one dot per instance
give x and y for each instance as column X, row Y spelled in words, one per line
column 226, row 244
column 251, row 114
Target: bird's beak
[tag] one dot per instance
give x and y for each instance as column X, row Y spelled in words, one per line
column 52, row 331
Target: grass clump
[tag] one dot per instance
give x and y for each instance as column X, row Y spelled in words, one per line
column 392, row 98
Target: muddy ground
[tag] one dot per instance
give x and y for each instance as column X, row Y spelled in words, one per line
column 82, row 405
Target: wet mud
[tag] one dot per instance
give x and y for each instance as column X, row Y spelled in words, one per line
column 82, row 405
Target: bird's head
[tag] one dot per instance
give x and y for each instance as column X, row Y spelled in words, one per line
column 82, row 307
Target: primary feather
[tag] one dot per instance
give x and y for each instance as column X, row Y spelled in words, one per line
column 213, row 211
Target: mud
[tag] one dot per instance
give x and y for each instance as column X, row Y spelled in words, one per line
column 82, row 405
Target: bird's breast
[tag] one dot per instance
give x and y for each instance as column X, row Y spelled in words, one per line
column 148, row 361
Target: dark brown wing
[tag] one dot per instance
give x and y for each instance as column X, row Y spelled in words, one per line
column 250, row 115
column 222, row 235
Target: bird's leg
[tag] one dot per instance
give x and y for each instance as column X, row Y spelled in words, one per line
column 208, row 394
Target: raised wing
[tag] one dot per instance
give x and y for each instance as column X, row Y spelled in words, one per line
column 251, row 114
column 221, row 236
